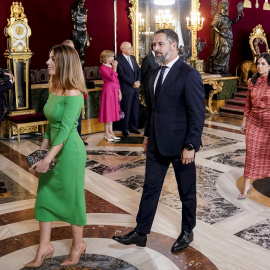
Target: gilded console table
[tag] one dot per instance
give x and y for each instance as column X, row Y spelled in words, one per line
column 217, row 82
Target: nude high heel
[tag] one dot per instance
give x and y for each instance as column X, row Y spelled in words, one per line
column 114, row 137
column 241, row 196
column 68, row 261
column 109, row 140
column 37, row 264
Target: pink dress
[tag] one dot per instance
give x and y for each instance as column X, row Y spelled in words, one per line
column 109, row 101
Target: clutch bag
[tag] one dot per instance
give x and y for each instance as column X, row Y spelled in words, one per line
column 39, row 155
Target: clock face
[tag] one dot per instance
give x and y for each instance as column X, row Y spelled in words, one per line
column 19, row 30
column 20, row 44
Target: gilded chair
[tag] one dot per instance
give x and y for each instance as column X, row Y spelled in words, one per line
column 258, row 42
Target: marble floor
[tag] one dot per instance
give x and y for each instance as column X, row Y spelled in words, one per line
column 230, row 234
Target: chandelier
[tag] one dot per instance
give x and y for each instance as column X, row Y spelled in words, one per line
column 195, row 21
column 141, row 22
column 164, row 19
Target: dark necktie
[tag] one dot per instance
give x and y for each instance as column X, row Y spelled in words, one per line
column 159, row 82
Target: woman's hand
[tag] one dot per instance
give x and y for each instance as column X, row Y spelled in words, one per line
column 41, row 166
column 243, row 125
column 119, row 95
column 114, row 64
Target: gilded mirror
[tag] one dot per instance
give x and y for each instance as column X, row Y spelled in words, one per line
column 147, row 16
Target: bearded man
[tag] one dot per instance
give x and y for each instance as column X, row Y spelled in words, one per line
column 173, row 131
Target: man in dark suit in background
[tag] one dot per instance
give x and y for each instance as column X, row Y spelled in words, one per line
column 173, row 131
column 4, row 87
column 148, row 65
column 129, row 76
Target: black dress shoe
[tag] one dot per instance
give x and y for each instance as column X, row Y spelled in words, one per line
column 131, row 238
column 182, row 241
column 2, row 184
column 125, row 134
column 3, row 190
column 135, row 131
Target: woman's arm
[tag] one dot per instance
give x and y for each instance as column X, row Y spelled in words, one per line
column 42, row 166
column 108, row 74
column 243, row 125
column 248, row 104
column 119, row 94
column 45, row 144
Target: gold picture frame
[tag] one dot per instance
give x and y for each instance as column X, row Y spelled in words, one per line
column 134, row 17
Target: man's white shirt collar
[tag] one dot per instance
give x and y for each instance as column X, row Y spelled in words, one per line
column 170, row 64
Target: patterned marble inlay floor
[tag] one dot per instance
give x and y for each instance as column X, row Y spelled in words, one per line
column 257, row 234
column 231, row 234
column 15, row 191
column 234, row 158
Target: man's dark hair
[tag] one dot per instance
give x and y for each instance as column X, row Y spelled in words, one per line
column 170, row 35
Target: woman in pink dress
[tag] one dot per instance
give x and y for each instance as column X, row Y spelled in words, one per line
column 110, row 95
column 256, row 123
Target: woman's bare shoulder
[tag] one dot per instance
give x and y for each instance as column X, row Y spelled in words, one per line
column 72, row 92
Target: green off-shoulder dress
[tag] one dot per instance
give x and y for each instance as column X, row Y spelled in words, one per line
column 60, row 194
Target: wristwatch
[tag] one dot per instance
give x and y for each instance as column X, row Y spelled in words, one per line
column 189, row 146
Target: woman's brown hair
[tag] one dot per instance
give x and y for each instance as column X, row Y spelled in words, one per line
column 68, row 70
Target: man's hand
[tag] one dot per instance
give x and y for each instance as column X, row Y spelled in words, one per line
column 187, row 156
column 145, row 144
column 10, row 76
column 137, row 84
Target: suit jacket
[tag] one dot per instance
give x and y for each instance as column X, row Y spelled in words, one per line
column 178, row 116
column 127, row 77
column 3, row 88
column 148, row 65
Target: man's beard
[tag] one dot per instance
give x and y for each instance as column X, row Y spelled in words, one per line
column 163, row 58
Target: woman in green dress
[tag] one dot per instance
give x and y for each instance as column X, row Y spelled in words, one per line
column 60, row 194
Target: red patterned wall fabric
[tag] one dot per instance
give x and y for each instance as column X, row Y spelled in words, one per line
column 50, row 24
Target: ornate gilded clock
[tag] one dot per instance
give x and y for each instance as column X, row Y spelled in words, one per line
column 18, row 54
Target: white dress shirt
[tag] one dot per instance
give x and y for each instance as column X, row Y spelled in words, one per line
column 169, row 66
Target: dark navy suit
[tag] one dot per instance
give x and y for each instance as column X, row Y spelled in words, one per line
column 130, row 95
column 175, row 120
column 148, row 65
column 3, row 88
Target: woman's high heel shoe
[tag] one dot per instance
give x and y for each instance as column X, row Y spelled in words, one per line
column 241, row 196
column 68, row 261
column 109, row 140
column 114, row 137
column 36, row 264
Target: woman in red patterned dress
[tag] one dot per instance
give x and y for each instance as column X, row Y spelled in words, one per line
column 256, row 123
